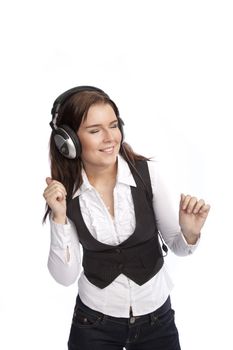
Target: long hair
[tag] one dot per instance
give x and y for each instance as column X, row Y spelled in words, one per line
column 72, row 112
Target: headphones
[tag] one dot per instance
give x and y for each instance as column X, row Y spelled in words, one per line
column 65, row 138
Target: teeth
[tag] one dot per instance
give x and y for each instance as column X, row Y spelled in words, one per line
column 110, row 149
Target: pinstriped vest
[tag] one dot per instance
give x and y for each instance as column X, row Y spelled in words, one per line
column 139, row 257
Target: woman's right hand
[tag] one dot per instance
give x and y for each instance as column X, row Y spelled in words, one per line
column 55, row 196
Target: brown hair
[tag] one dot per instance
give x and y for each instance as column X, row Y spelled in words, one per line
column 71, row 113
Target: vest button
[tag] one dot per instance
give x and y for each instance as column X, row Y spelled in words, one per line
column 120, row 266
column 118, row 250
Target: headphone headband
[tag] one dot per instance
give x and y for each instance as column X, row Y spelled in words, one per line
column 65, row 95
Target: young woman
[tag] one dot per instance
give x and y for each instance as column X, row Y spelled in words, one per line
column 112, row 202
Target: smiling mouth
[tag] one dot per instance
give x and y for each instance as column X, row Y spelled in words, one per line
column 107, row 149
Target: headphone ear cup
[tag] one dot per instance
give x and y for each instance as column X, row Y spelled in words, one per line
column 67, row 142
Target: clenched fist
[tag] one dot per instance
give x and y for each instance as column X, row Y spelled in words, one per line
column 55, row 196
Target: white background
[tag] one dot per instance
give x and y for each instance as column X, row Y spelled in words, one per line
column 168, row 66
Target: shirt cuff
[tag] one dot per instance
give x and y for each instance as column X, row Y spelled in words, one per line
column 190, row 247
column 60, row 234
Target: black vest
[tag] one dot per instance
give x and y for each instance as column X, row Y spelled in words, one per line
column 139, row 257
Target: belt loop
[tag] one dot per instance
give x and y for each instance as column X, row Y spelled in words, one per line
column 103, row 319
column 152, row 319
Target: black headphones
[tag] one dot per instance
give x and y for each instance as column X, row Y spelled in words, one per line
column 66, row 139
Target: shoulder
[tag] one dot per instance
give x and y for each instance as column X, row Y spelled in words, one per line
column 149, row 170
column 153, row 167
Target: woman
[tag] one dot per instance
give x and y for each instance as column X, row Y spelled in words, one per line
column 112, row 202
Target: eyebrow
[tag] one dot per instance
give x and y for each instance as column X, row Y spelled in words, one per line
column 98, row 125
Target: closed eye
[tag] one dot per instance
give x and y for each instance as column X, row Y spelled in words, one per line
column 114, row 126
column 94, row 131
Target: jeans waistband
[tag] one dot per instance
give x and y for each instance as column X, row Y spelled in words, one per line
column 151, row 317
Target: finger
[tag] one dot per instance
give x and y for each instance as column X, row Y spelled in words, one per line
column 185, row 201
column 53, row 201
column 182, row 197
column 60, row 196
column 55, row 193
column 48, row 180
column 192, row 203
column 55, row 185
column 205, row 209
column 198, row 206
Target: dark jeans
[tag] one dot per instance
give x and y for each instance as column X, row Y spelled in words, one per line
column 92, row 330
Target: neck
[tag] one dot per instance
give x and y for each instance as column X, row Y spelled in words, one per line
column 101, row 175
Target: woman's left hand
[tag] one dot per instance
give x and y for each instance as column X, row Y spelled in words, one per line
column 192, row 216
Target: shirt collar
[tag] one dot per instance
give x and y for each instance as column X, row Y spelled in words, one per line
column 124, row 176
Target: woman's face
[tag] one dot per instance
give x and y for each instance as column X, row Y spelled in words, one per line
column 100, row 137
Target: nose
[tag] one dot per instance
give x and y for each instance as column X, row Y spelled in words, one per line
column 108, row 135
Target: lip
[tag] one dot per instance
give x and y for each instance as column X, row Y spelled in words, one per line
column 108, row 150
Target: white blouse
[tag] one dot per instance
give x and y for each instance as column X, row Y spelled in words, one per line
column 65, row 256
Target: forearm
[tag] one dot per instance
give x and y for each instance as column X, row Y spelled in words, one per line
column 64, row 261
column 63, row 271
